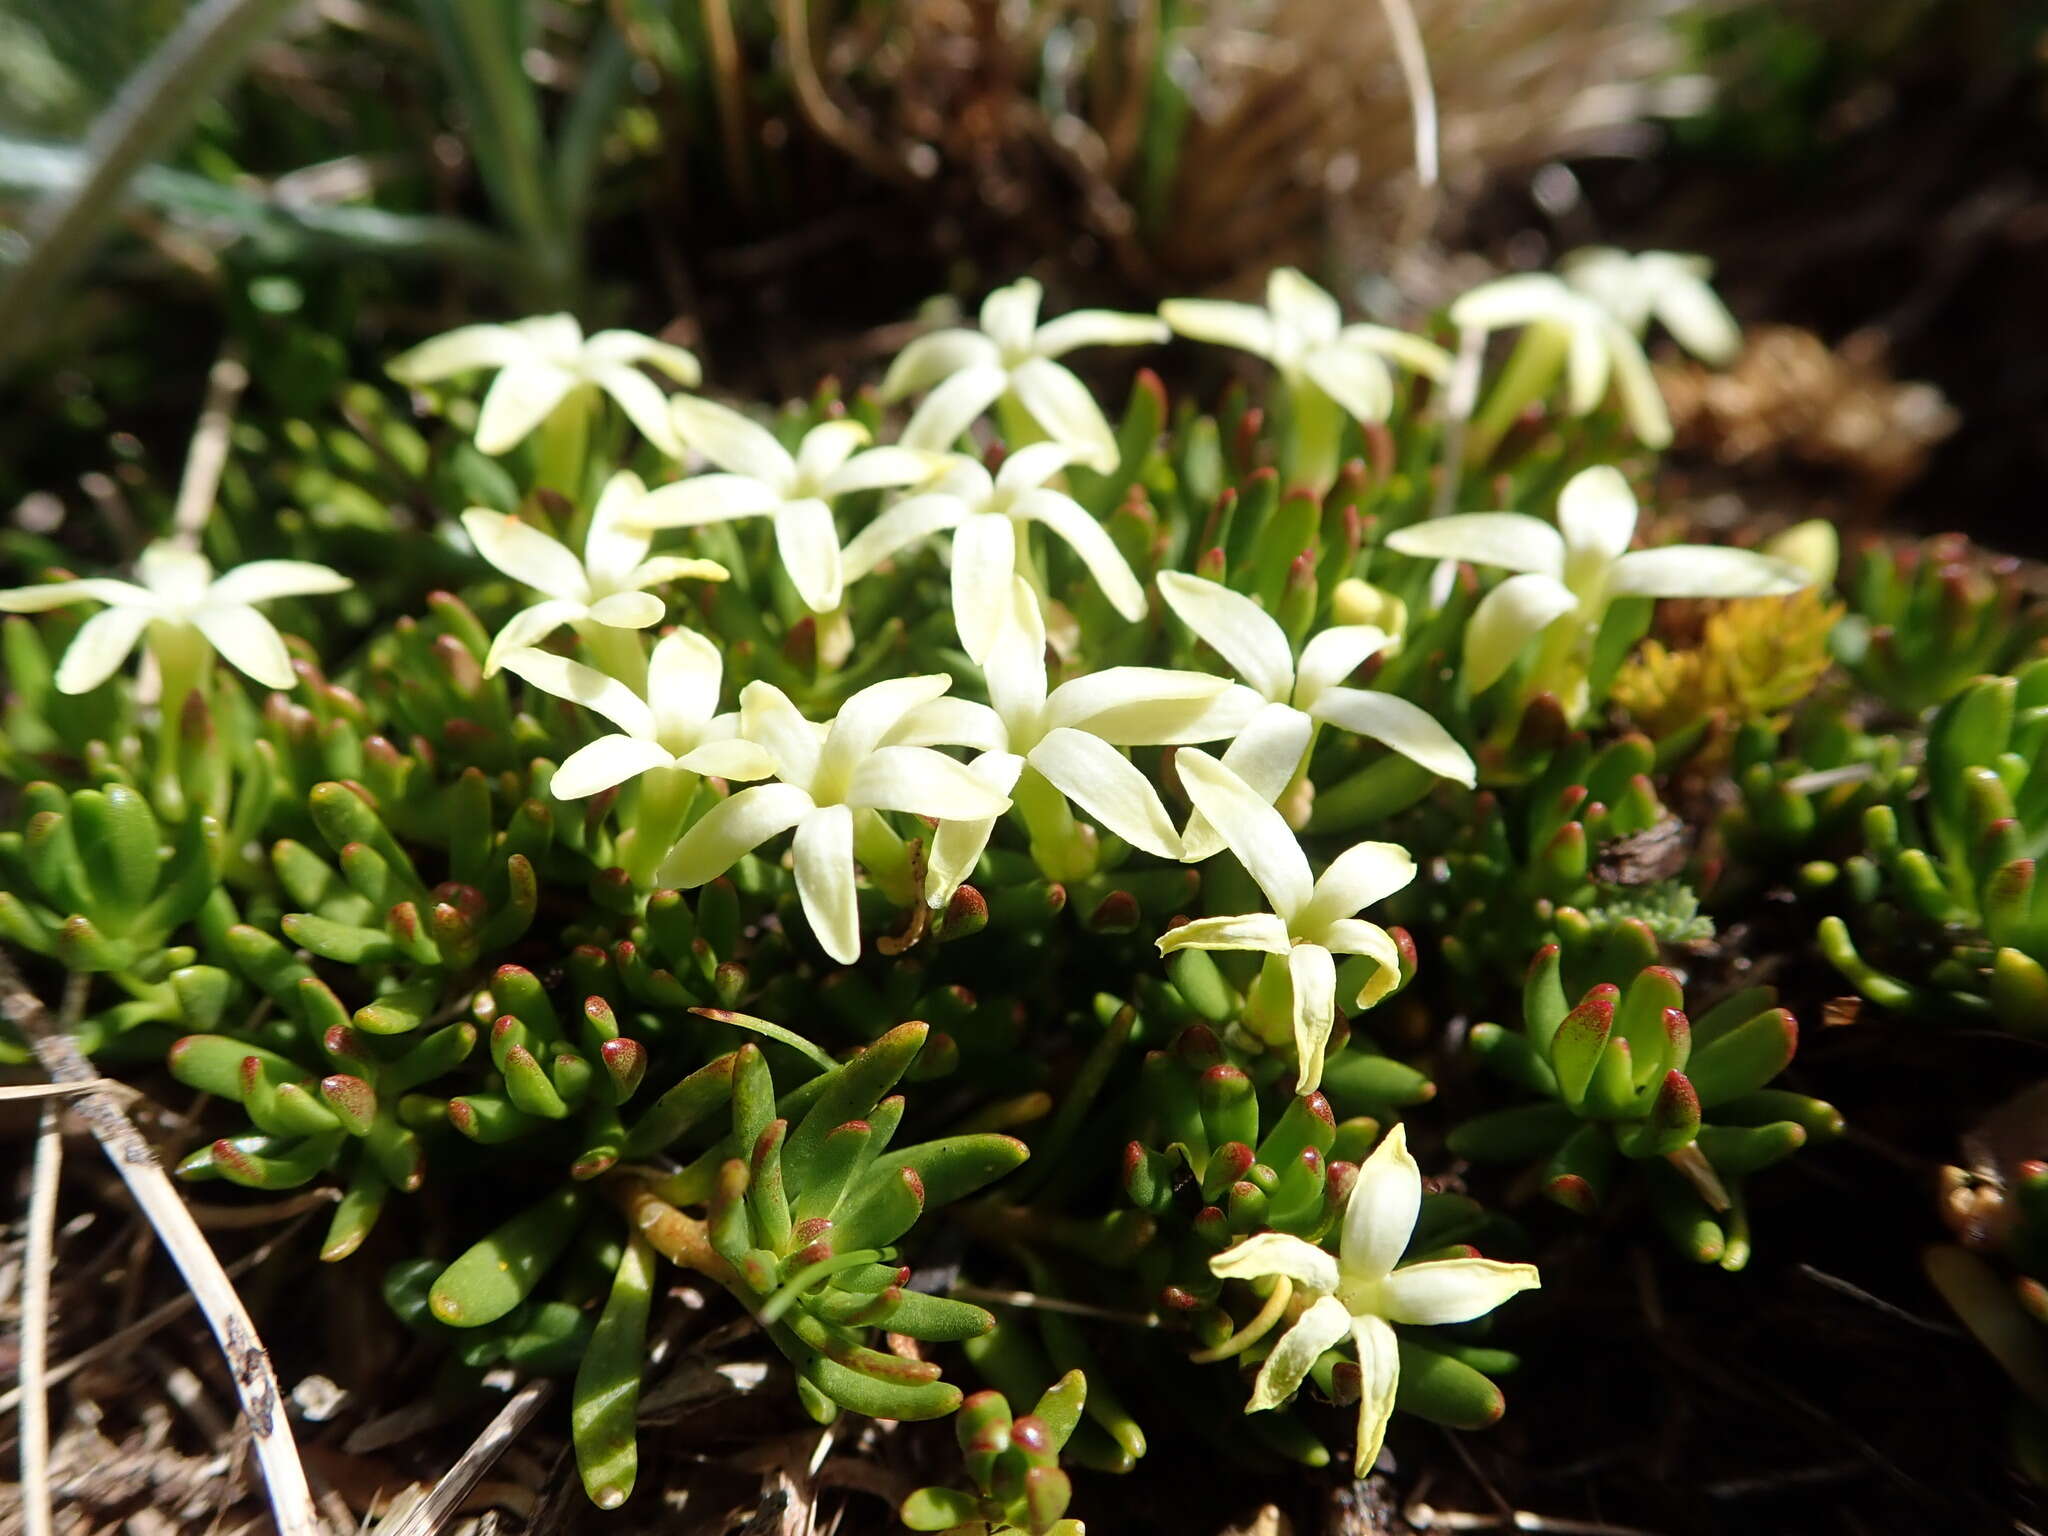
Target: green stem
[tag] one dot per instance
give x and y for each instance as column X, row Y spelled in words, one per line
column 1315, row 433
column 184, row 666
column 1019, row 427
column 1533, row 367
column 562, row 445
column 885, row 856
column 665, row 797
column 617, row 653
column 1061, row 846
column 1269, row 1006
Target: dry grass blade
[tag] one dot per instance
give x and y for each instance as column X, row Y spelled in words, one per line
column 208, row 456
column 428, row 1516
column 35, row 1324
column 284, row 1476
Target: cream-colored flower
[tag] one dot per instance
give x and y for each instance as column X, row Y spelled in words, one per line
column 828, row 778
column 1013, row 355
column 606, row 585
column 1365, row 1289
column 178, row 591
column 542, row 361
column 1311, row 922
column 1270, row 748
column 1664, row 286
column 990, row 517
column 763, row 479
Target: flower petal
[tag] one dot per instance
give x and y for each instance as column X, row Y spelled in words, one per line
column 1361, row 875
column 530, row 626
column 1091, row 541
column 705, row 499
column 1356, row 380
column 1642, row 402
column 1098, row 328
column 1407, row 728
column 1312, row 980
column 1109, row 787
column 610, row 348
column 866, row 718
column 604, row 762
column 1284, row 1370
column 911, row 520
column 1379, row 1218
column 521, row 397
column 951, row 722
column 1265, row 756
column 730, row 829
column 1260, row 932
column 663, row 569
column 1690, row 309
column 458, row 351
column 1063, row 407
column 247, row 640
column 617, row 539
column 881, row 469
column 1355, row 936
column 1379, row 1372
column 526, row 554
column 102, row 643
column 1596, row 512
column 922, row 782
column 583, row 685
column 179, row 578
column 808, row 541
column 683, row 677
column 949, row 410
column 645, row 403
column 1513, row 541
column 1223, row 323
column 984, row 562
column 729, row 760
column 1302, row 307
column 58, row 594
column 1516, row 300
column 1588, row 360
column 1705, row 570
column 1508, row 618
column 769, row 719
column 1141, row 706
column 1010, row 314
column 1254, row 831
column 825, row 880
column 934, row 357
column 732, row 442
column 1415, row 353
column 1275, row 1253
column 261, row 580
column 1332, row 656
column 826, row 447
column 1452, row 1290
column 628, row 610
column 957, row 845
column 1236, row 628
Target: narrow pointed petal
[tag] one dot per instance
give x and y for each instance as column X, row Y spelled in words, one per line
column 1010, row 314
column 1596, row 512
column 1302, row 307
column 1705, row 570
column 1275, row 1253
column 1588, row 360
column 1091, row 541
column 935, row 357
column 248, row 641
column 465, row 348
column 604, row 762
column 1452, row 1290
column 866, row 718
column 825, row 880
column 1254, row 831
column 706, row 499
column 731, row 441
column 1260, row 932
column 583, row 685
column 1236, row 628
column 102, row 643
column 957, row 845
column 1694, row 314
column 617, row 540
column 530, row 626
column 1380, row 1216
column 951, row 722
column 1407, row 728
column 179, row 577
column 1284, row 1370
column 732, row 828
column 1332, row 656
column 1516, row 300
column 1513, row 541
column 1312, row 979
column 683, row 677
column 1109, row 787
column 729, row 759
column 1379, row 1370
column 1415, row 353
column 768, row 718
column 521, row 397
column 827, row 447
column 911, row 521
column 1265, row 755
column 1355, row 936
column 1356, row 380
column 954, row 406
column 881, row 469
column 645, row 403
column 1642, row 402
column 1508, row 618
column 614, row 348
column 1032, row 465
column 261, row 580
column 1098, row 328
column 526, row 555
column 808, row 542
column 1141, row 706
column 922, row 782
column 1062, row 405
column 628, row 610
column 58, row 594
column 984, row 562
column 1358, row 877
column 1222, row 322
column 660, row 570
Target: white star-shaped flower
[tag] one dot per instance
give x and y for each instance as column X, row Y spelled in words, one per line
column 178, row 591
column 1564, row 330
column 1365, row 1289
column 829, row 777
column 540, row 362
column 1658, row 285
column 1270, row 748
column 763, row 479
column 1573, row 571
column 1312, row 919
column 605, row 586
column 1066, row 742
column 967, row 371
column 991, row 518
column 675, row 726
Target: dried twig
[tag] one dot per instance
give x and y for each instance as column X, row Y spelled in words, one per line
column 35, row 1324
column 428, row 1516
column 59, row 1090
column 208, row 455
column 291, row 1501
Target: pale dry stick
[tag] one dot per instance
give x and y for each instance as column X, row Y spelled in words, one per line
column 432, row 1512
column 56, row 1090
column 1461, row 396
column 207, row 458
column 291, row 1500
column 1031, row 1301
column 1425, row 1518
column 39, row 1260
column 149, row 1322
column 1414, row 61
